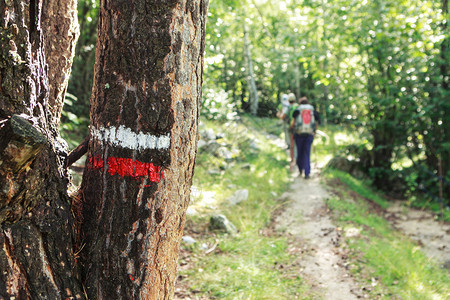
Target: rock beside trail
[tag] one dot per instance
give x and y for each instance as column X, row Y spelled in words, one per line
column 188, row 240
column 446, row 265
column 221, row 223
column 225, row 153
column 208, row 134
column 238, row 197
column 246, row 166
column 214, row 172
column 209, row 143
column 254, row 145
column 208, row 146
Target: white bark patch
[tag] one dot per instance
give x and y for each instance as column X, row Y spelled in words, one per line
column 141, row 192
column 13, row 276
column 46, row 266
column 124, row 137
column 130, row 239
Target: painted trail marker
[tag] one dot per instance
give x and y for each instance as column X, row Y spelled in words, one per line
column 126, row 167
column 126, row 138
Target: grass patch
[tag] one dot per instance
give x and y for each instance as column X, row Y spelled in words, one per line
column 359, row 186
column 381, row 254
column 245, row 266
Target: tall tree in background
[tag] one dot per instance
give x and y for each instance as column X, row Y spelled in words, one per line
column 147, row 90
column 253, row 97
column 144, row 114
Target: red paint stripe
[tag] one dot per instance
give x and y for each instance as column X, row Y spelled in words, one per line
column 127, row 167
column 96, row 163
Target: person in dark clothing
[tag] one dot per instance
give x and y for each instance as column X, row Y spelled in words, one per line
column 305, row 122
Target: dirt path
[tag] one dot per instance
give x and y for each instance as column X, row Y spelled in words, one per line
column 307, row 220
column 421, row 226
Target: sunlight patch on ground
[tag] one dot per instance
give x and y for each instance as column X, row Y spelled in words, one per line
column 323, row 161
column 202, row 199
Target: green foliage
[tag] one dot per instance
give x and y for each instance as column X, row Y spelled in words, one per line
column 377, row 64
column 73, row 127
column 217, row 105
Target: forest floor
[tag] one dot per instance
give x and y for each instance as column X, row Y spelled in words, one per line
column 323, row 260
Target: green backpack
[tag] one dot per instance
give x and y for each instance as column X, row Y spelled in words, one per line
column 292, row 108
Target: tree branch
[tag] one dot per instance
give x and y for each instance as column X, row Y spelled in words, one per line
column 78, row 152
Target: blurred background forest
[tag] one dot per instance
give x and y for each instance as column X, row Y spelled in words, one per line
column 378, row 67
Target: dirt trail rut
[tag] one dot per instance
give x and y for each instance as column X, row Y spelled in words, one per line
column 307, row 219
column 421, row 226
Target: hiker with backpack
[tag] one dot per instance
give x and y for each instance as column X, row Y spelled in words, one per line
column 304, row 125
column 292, row 107
column 283, row 115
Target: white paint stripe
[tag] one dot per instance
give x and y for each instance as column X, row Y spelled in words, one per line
column 126, row 138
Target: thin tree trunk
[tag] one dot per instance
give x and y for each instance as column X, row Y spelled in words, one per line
column 297, row 77
column 36, row 257
column 445, row 156
column 253, row 91
column 144, row 114
column 325, row 66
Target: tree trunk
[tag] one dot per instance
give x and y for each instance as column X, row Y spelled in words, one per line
column 36, row 257
column 382, row 155
column 144, row 114
column 297, row 74
column 445, row 155
column 59, row 20
column 253, row 91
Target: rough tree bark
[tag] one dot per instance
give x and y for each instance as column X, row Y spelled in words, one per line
column 36, row 258
column 142, row 148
